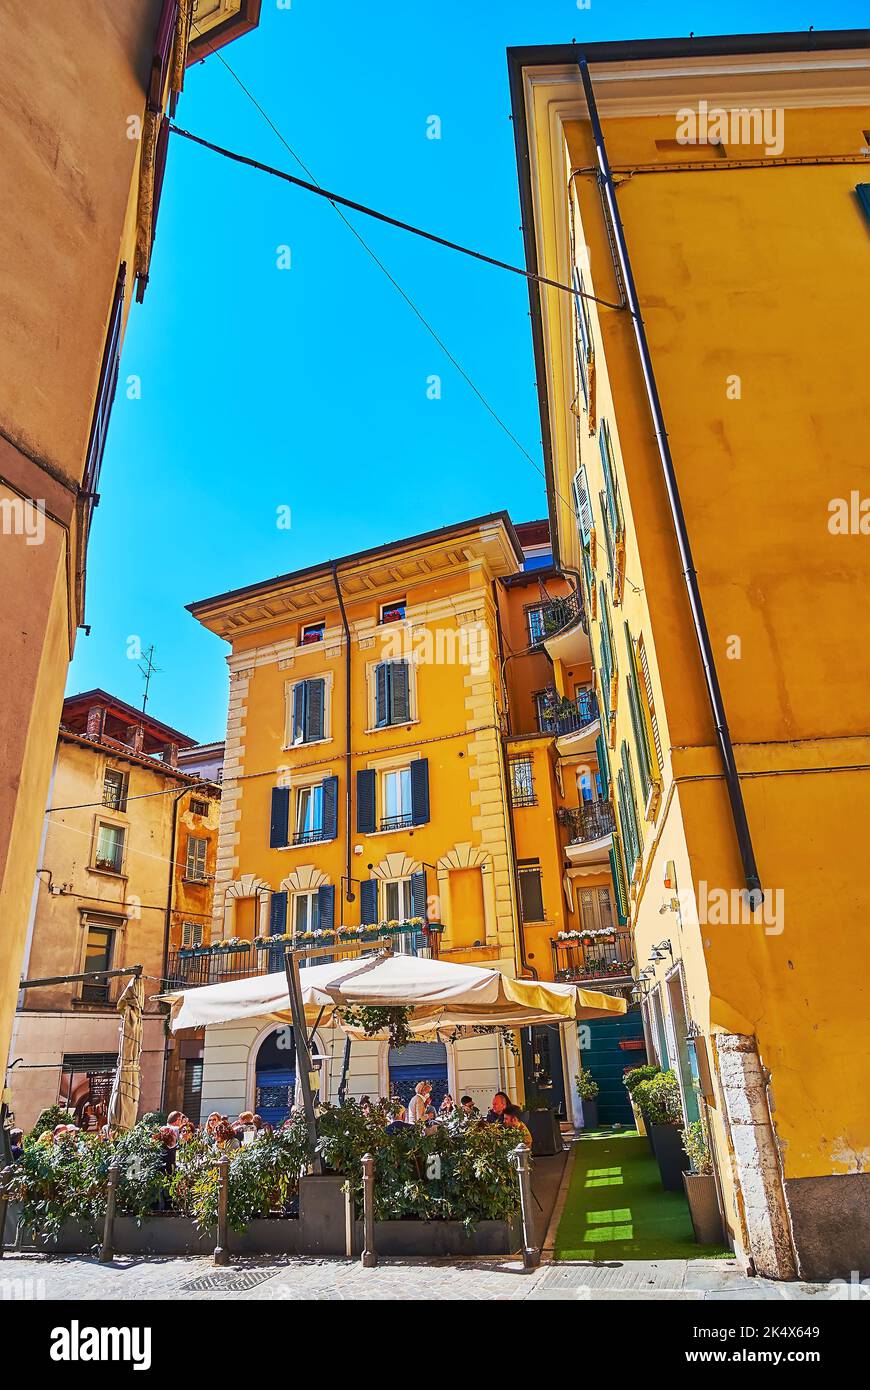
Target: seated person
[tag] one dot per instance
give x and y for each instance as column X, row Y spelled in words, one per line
column 500, row 1102
column 513, row 1119
column 469, row 1109
column 398, row 1122
column 16, row 1143
column 447, row 1107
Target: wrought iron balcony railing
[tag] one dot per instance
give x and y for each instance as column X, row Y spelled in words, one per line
column 598, row 956
column 591, row 821
column 397, row 822
column 210, row 965
column 561, row 716
column 561, row 614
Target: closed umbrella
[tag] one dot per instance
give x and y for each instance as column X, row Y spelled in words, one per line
column 124, row 1100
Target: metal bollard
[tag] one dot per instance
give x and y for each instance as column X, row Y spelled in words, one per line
column 3, row 1209
column 369, row 1257
column 531, row 1252
column 107, row 1251
column 221, row 1250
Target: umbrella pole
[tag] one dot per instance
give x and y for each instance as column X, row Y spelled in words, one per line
column 345, row 1067
column 303, row 1053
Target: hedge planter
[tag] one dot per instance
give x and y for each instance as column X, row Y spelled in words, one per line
column 546, row 1134
column 670, row 1155
column 590, row 1114
column 704, row 1208
column 444, row 1238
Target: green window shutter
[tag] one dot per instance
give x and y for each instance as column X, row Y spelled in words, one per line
column 638, row 723
column 605, row 448
column 631, row 815
column 314, row 706
column 382, row 694
column 603, row 765
column 643, row 662
column 617, row 873
column 584, row 507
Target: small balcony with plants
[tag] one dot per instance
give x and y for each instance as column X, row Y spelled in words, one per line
column 590, row 828
column 600, row 958
column 566, row 629
column 575, row 722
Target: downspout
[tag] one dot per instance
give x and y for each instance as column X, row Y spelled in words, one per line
column 702, row 635
column 509, row 810
column 176, row 802
column 347, row 735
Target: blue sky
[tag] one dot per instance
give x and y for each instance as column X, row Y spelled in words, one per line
column 306, row 388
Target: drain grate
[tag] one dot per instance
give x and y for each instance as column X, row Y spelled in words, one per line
column 228, row 1281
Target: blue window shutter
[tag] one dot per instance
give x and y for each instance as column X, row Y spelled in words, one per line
column 368, row 897
column 603, row 764
column 382, row 694
column 400, row 696
column 277, row 914
column 863, row 192
column 419, row 895
column 326, row 907
column 366, row 788
column 280, row 818
column 420, row 790
column 314, row 702
column 298, row 712
column 330, row 808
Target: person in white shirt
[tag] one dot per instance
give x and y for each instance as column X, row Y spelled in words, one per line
column 419, row 1103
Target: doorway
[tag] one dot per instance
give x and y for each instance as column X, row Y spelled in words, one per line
column 418, row 1062
column 275, row 1076
column 543, row 1072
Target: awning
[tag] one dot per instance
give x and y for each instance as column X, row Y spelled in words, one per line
column 441, row 995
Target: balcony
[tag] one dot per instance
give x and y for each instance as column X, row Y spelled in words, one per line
column 566, row 634
column 597, row 959
column 576, row 723
column 590, row 829
column 214, row 965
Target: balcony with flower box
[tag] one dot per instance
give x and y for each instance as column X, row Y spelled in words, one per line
column 600, row 958
column 590, row 831
column 190, row 967
column 566, row 630
column 576, row 723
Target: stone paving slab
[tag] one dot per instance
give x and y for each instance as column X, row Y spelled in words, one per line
column 131, row 1279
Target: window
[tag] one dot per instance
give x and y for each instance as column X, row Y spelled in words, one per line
column 108, row 381
column 312, row 632
column 583, row 505
column 642, row 746
column 398, row 900
column 863, row 192
column 110, row 848
column 115, row 789
column 98, row 956
column 611, row 507
column 391, row 798
column 396, row 805
column 392, row 693
column 538, row 560
column 309, row 815
column 393, row 612
column 583, row 337
column 535, row 623
column 646, row 680
column 196, row 852
column 308, row 710
column 191, row 934
column 522, row 781
column 596, row 909
column 628, row 817
column 531, row 892
column 305, row 914
column 198, row 808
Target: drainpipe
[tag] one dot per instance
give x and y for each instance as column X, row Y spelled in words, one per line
column 347, row 717
column 176, row 802
column 702, row 636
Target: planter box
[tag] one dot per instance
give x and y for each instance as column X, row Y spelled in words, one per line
column 589, row 1109
column 546, row 1134
column 704, row 1208
column 444, row 1238
column 670, row 1155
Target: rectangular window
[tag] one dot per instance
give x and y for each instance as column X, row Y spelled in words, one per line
column 191, row 934
column 596, row 909
column 392, row 693
column 98, row 956
column 110, row 848
column 522, row 781
column 393, row 612
column 198, row 808
column 309, row 815
column 115, row 789
column 308, row 723
column 312, row 632
column 196, row 853
column 396, row 806
column 305, row 917
column 535, row 623
column 531, row 891
column 397, row 900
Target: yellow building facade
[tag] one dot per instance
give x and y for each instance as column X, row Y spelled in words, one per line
column 83, row 136
column 702, row 403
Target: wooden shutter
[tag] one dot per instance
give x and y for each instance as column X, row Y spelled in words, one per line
column 330, row 808
column 420, row 791
column 279, row 822
column 368, row 895
column 298, row 732
column 643, row 664
column 314, row 704
column 610, row 486
column 531, row 894
column 419, row 895
column 863, row 192
column 192, row 1101
column 638, row 723
column 382, row 694
column 366, row 800
column 326, row 907
column 277, row 914
column 617, row 873
column 400, row 695
column 106, row 387
column 603, row 764
column 584, row 506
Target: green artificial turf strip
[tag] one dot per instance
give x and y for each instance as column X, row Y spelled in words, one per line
column 617, row 1209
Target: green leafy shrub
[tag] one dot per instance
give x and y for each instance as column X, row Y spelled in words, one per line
column 57, row 1182
column 54, row 1115
column 632, row 1079
column 587, row 1086
column 697, row 1149
column 659, row 1099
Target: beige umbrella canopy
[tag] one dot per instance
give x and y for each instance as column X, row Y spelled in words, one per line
column 439, row 994
column 124, row 1100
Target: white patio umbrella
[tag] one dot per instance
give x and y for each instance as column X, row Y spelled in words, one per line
column 124, row 1099
column 440, row 995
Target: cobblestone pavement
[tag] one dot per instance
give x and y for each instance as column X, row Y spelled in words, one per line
column 78, row 1277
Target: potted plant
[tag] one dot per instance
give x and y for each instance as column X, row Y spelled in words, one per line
column 587, row 1090
column 700, row 1185
column 542, row 1122
column 659, row 1099
column 631, row 1080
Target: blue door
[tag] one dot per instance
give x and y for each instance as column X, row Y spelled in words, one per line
column 418, row 1062
column 613, row 1050
column 275, row 1077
